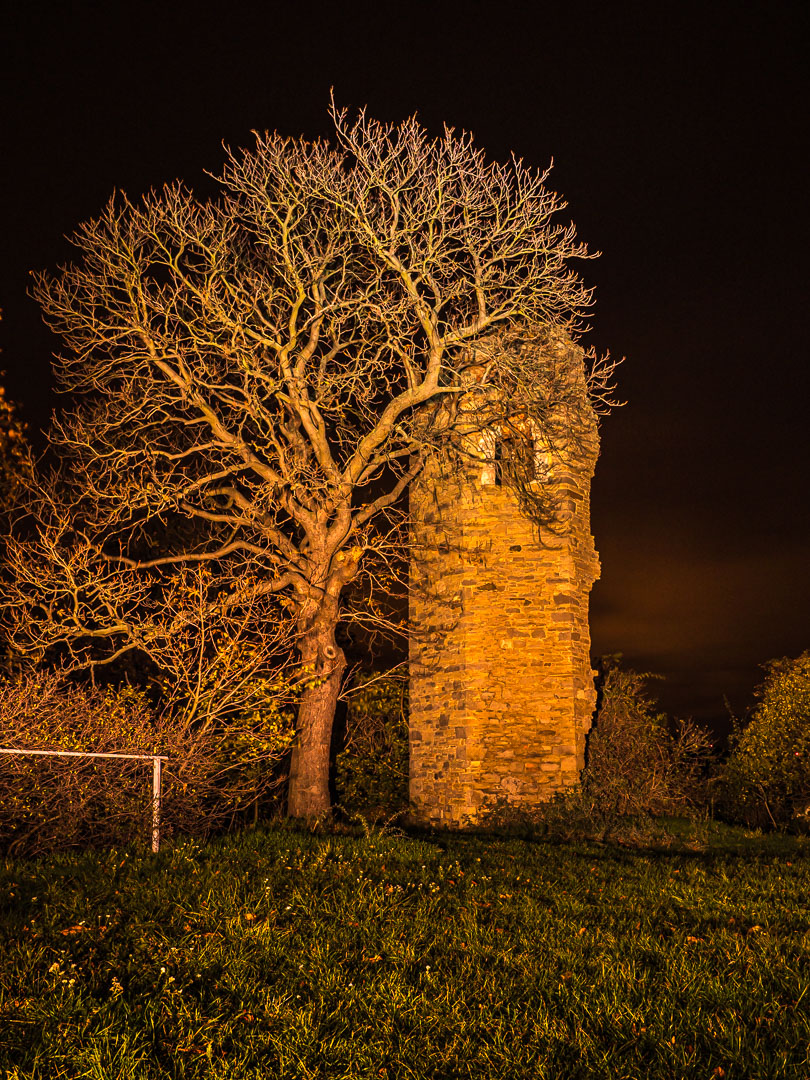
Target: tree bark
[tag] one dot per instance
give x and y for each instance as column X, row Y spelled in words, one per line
column 308, row 792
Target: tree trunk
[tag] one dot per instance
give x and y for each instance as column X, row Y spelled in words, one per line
column 308, row 792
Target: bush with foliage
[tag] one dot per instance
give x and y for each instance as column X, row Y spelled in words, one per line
column 766, row 781
column 213, row 771
column 15, row 458
column 16, row 461
column 637, row 761
column 372, row 768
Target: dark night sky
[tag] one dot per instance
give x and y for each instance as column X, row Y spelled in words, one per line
column 678, row 133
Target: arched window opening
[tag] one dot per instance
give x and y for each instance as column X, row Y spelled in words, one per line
column 510, row 453
column 524, row 454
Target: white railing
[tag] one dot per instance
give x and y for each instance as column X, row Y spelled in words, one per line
column 157, row 776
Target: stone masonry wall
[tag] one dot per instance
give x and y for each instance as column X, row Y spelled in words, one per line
column 501, row 687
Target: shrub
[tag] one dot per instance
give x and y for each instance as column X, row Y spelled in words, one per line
column 766, row 780
column 15, row 460
column 372, row 768
column 637, row 763
column 213, row 771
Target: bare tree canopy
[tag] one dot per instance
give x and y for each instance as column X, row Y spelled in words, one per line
column 272, row 366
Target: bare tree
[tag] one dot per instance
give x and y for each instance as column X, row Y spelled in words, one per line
column 274, row 365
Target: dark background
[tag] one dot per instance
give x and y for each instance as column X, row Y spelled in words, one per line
column 678, row 133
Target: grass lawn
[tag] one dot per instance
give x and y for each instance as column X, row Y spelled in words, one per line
column 284, row 954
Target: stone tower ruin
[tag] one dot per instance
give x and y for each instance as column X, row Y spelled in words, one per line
column 501, row 686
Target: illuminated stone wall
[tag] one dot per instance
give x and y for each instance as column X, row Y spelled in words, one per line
column 501, row 686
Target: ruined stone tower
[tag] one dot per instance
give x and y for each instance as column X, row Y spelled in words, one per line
column 501, row 687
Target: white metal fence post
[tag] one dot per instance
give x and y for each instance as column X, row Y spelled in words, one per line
column 157, row 773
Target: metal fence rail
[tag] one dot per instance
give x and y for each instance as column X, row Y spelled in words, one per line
column 157, row 776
